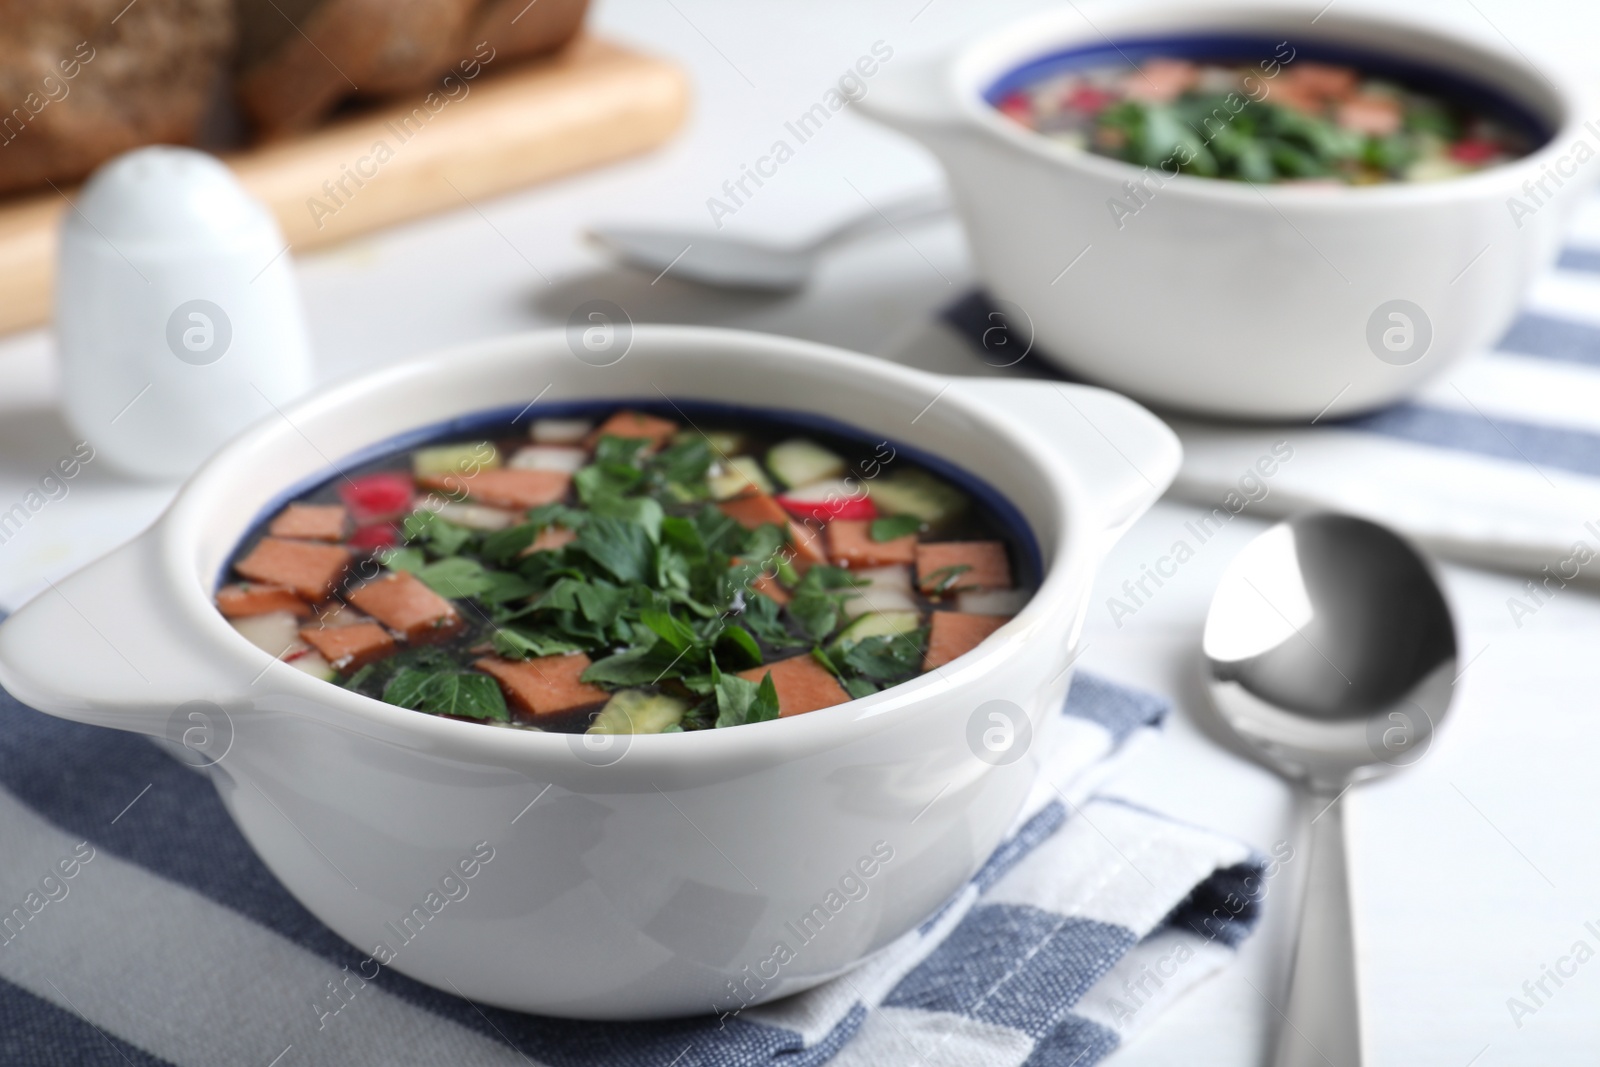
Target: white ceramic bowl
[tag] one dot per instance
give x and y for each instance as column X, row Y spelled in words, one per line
column 1229, row 298
column 645, row 877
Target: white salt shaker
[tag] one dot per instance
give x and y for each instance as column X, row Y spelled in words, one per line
column 177, row 316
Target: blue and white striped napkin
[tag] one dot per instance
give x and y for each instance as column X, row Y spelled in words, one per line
column 137, row 927
column 1496, row 462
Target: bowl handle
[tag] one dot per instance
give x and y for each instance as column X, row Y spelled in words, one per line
column 914, row 96
column 107, row 645
column 1119, row 452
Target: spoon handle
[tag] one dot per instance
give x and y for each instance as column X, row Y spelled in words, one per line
column 908, row 209
column 1322, row 1024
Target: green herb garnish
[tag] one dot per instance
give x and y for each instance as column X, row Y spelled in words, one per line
column 453, row 692
column 943, row 579
column 818, row 602
column 441, row 536
column 456, row 577
column 887, row 658
column 741, row 701
column 894, row 526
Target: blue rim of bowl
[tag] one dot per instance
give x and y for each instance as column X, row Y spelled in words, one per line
column 1251, row 48
column 500, row 420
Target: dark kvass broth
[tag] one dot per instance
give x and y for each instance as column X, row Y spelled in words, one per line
column 989, row 517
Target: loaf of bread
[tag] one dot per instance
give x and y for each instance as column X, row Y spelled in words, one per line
column 298, row 59
column 517, row 28
column 83, row 80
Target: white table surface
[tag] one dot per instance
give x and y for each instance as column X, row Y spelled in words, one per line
column 1471, row 871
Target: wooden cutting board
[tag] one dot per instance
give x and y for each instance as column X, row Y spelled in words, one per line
column 592, row 103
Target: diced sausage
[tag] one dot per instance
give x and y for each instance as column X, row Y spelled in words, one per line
column 807, row 546
column 986, row 560
column 1295, row 97
column 636, row 424
column 310, row 522
column 768, row 587
column 1372, row 114
column 551, row 538
column 1161, row 81
column 802, row 683
column 850, row 544
column 765, row 584
column 403, row 602
column 755, row 509
column 503, row 488
column 309, row 568
column 953, row 633
column 348, row 648
column 251, row 598
column 548, row 685
column 1324, row 81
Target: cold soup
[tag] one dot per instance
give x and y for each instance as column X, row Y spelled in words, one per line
column 1273, row 117
column 634, row 571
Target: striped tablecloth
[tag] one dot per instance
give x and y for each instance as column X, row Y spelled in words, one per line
column 137, row 927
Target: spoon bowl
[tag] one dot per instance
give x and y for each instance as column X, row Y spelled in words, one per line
column 1331, row 650
column 1331, row 653
column 714, row 260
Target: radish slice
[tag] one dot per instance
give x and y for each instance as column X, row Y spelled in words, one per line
column 827, row 511
column 886, row 589
column 372, row 538
column 472, row 516
column 560, row 431
column 375, row 497
column 1015, row 106
column 991, row 601
column 549, row 458
column 894, row 576
column 277, row 633
column 879, row 601
column 1474, row 151
column 313, row 664
column 839, row 498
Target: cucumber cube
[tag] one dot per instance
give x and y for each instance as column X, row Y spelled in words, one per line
column 918, row 494
column 466, row 458
column 797, row 462
column 743, row 473
column 638, row 711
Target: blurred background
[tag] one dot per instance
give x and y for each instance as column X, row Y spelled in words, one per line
column 520, row 261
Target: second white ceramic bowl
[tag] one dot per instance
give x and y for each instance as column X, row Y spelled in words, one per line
column 1228, row 298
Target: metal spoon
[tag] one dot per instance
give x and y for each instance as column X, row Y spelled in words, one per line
column 728, row 263
column 1332, row 655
